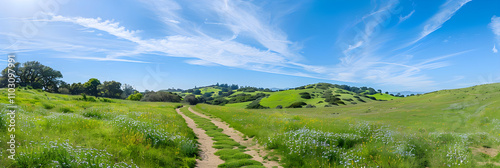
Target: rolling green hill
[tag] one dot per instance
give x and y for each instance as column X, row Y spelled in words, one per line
column 318, row 94
column 287, row 97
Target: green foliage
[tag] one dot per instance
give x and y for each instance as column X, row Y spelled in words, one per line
column 106, row 100
column 161, row 97
column 66, row 109
column 77, row 88
column 191, row 99
column 36, row 75
column 84, row 97
column 91, row 87
column 93, row 113
column 135, row 97
column 48, row 106
column 89, row 134
column 296, row 105
column 111, row 89
column 63, row 90
column 310, row 106
column 127, row 91
column 279, row 107
column 305, row 95
column 197, row 92
column 245, row 97
column 256, row 105
column 219, row 101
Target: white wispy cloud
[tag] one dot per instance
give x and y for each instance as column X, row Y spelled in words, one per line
column 352, row 47
column 403, row 18
column 102, row 59
column 495, row 25
column 365, row 61
column 205, row 49
column 238, row 22
column 447, row 10
column 495, row 28
column 111, row 27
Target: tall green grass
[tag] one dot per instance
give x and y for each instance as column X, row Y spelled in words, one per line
column 56, row 130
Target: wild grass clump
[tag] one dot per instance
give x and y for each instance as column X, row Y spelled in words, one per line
column 54, row 154
column 157, row 137
column 93, row 113
column 48, row 106
column 66, row 109
column 3, row 123
column 308, row 143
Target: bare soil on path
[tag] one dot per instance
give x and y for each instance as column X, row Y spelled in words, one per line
column 208, row 159
column 256, row 151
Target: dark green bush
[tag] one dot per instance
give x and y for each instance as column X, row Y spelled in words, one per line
column 305, row 95
column 48, row 106
column 310, row 106
column 66, row 110
column 296, row 105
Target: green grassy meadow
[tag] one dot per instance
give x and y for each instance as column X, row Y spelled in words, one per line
column 55, row 130
column 447, row 128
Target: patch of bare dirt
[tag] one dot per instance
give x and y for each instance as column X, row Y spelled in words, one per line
column 489, row 151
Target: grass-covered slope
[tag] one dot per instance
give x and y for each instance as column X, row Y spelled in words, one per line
column 448, row 128
column 55, row 130
column 287, row 97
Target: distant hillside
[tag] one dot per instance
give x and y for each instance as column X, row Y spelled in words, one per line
column 310, row 96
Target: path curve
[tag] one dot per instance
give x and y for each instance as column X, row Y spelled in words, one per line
column 208, row 158
column 237, row 136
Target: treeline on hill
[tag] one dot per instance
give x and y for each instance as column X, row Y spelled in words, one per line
column 359, row 90
column 34, row 75
column 225, row 95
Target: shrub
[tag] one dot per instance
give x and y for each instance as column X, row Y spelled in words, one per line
column 220, row 101
column 48, row 106
column 91, row 99
column 191, row 99
column 2, row 122
column 256, row 105
column 135, row 97
column 305, row 95
column 310, row 106
column 296, row 105
column 63, row 90
column 349, row 99
column 161, row 97
column 84, row 96
column 66, row 110
column 106, row 100
column 93, row 114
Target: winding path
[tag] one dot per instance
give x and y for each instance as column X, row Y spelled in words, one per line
column 208, row 159
column 254, row 149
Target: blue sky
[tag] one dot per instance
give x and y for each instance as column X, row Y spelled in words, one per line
column 156, row 44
